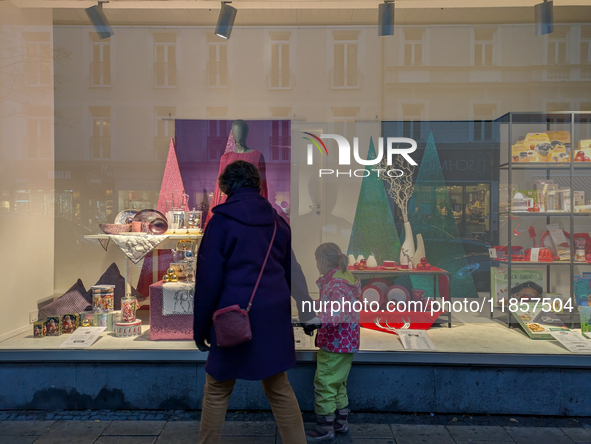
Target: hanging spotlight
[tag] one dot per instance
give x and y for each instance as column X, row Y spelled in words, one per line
column 99, row 20
column 386, row 18
column 544, row 18
column 225, row 21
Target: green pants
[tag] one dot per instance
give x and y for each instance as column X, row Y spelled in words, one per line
column 330, row 382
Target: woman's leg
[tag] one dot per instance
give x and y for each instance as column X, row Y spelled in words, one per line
column 216, row 396
column 286, row 409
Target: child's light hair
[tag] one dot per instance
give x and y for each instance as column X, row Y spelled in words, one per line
column 330, row 256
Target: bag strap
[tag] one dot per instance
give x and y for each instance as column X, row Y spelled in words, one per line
column 262, row 269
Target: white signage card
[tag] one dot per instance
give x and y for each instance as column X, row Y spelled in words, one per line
column 83, row 337
column 492, row 253
column 415, row 340
column 535, row 254
column 572, row 341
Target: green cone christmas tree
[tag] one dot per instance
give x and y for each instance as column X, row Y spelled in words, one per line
column 430, row 214
column 373, row 228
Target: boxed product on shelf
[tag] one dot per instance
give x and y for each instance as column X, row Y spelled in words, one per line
column 556, row 301
column 582, row 289
column 39, row 329
column 552, row 146
column 70, row 322
column 585, row 318
column 579, row 197
column 523, row 200
column 537, row 323
column 53, row 326
column 559, row 244
column 525, row 282
column 541, row 188
column 563, row 199
column 583, row 154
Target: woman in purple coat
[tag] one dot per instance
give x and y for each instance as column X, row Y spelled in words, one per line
column 230, row 258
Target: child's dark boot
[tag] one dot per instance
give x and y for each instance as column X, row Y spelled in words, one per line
column 341, row 423
column 323, row 432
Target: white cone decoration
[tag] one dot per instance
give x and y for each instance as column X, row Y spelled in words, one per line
column 420, row 251
column 351, row 260
column 407, row 251
column 371, row 262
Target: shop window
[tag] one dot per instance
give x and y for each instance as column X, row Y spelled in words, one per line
column 280, row 68
column 38, row 58
column 164, row 116
column 100, row 67
column 483, row 46
column 217, row 138
column 345, row 59
column 165, row 60
column 100, row 141
column 217, row 62
column 413, row 46
column 280, row 140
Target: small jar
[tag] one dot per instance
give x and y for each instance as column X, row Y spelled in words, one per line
column 128, row 308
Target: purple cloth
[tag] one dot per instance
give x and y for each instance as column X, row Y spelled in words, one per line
column 72, row 301
column 230, row 257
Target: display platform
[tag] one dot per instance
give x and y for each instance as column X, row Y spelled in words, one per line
column 469, row 334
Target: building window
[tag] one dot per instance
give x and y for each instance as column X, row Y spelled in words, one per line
column 412, row 117
column 38, row 58
column 556, row 54
column 482, row 125
column 164, row 116
column 483, row 46
column 586, row 52
column 280, row 69
column 217, row 138
column 165, row 60
column 345, row 62
column 100, row 141
column 280, row 140
column 413, row 46
column 217, row 62
column 100, row 67
column 38, row 139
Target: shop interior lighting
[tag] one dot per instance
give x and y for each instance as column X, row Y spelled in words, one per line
column 386, row 18
column 544, row 18
column 99, row 20
column 225, row 21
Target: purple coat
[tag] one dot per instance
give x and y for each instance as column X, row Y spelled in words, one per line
column 230, row 257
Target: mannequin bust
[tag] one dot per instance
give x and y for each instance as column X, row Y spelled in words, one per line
column 240, row 133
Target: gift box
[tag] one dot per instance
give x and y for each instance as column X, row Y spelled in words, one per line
column 53, row 326
column 128, row 329
column 171, row 311
column 69, row 322
column 39, row 330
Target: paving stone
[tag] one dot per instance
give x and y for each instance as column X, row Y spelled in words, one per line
column 19, row 439
column 414, row 434
column 149, row 428
column 485, row 442
column 539, row 435
column 179, row 432
column 578, row 434
column 73, row 432
column 358, row 440
column 24, row 428
column 479, row 433
column 247, row 440
column 370, row 430
column 246, row 429
column 126, row 440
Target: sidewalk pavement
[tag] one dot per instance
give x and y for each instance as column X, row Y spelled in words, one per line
column 179, row 427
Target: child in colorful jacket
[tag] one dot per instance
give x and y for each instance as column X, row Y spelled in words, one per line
column 338, row 340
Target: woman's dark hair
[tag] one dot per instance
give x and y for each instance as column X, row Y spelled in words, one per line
column 239, row 174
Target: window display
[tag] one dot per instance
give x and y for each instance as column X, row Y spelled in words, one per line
column 111, row 158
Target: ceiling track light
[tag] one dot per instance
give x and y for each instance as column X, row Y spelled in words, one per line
column 544, row 18
column 386, row 18
column 99, row 20
column 225, row 20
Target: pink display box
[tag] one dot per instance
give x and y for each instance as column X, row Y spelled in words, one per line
column 174, row 326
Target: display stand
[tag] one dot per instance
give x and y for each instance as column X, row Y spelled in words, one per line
column 435, row 272
column 162, row 246
column 513, row 172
